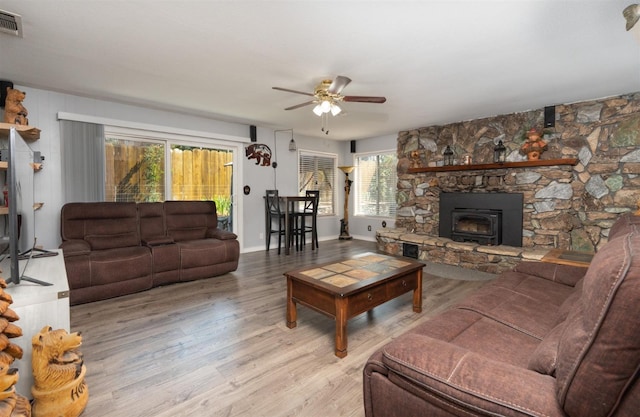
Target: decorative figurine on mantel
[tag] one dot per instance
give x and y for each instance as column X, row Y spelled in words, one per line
column 534, row 146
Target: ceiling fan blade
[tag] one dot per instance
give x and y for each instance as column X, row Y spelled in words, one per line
column 292, row 91
column 338, row 84
column 297, row 106
column 364, row 99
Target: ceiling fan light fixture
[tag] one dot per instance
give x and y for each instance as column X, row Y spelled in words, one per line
column 325, row 106
column 335, row 109
column 318, row 110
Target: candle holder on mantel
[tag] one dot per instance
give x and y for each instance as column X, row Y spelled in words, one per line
column 344, row 223
column 499, row 152
column 448, row 156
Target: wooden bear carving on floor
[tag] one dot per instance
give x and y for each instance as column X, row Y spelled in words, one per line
column 58, row 373
column 12, row 404
column 14, row 111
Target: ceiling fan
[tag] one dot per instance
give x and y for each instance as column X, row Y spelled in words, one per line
column 326, row 97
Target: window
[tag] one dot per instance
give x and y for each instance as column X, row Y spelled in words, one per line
column 149, row 168
column 317, row 172
column 376, row 184
column 202, row 174
column 134, row 170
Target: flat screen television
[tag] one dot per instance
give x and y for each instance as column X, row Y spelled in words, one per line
column 16, row 159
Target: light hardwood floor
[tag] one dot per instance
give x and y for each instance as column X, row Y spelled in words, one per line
column 220, row 346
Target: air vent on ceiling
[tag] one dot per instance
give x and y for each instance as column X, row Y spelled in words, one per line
column 10, row 23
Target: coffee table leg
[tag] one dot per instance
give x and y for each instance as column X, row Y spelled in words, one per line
column 341, row 327
column 417, row 293
column 292, row 313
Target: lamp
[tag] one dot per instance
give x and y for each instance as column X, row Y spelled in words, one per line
column 499, row 152
column 344, row 223
column 292, row 143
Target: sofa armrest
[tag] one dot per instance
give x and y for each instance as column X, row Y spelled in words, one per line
column 221, row 234
column 75, row 247
column 443, row 370
column 562, row 274
column 158, row 241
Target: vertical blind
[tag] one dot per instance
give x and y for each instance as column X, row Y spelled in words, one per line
column 82, row 161
column 317, row 172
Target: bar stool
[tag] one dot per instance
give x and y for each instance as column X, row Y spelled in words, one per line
column 273, row 215
column 309, row 211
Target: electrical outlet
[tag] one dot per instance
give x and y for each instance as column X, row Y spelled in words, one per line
column 261, row 236
column 369, row 228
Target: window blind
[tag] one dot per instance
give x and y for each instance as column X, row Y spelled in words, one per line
column 317, row 172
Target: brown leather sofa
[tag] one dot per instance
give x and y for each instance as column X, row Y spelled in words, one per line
column 540, row 340
column 111, row 249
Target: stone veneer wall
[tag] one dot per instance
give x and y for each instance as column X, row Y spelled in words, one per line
column 568, row 207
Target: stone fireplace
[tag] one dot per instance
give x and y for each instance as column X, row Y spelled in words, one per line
column 589, row 174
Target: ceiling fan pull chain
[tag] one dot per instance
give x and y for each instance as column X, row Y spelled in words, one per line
column 326, row 124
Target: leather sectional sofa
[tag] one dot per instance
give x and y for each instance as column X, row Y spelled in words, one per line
column 540, row 340
column 111, row 249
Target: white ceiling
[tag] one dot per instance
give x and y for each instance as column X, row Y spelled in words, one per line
column 435, row 61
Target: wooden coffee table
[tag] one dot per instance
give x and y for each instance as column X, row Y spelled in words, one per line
column 346, row 288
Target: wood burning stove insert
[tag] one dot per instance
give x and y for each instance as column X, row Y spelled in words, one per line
column 476, row 225
column 477, row 210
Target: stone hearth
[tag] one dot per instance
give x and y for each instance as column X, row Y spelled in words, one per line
column 492, row 259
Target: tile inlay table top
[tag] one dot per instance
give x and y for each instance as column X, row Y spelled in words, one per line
column 349, row 287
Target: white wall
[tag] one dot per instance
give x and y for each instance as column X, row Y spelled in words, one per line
column 44, row 106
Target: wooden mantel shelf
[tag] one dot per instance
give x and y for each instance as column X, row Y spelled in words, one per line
column 496, row 165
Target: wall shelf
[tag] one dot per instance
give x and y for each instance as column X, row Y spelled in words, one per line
column 496, row 165
column 28, row 133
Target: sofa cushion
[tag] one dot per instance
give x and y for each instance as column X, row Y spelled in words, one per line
column 563, row 274
column 545, row 356
column 429, row 368
column 599, row 352
column 121, row 264
column 151, row 220
column 81, row 219
column 525, row 303
column 112, row 241
column 189, row 220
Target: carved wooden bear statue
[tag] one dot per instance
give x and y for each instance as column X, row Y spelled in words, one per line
column 14, row 111
column 58, row 373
